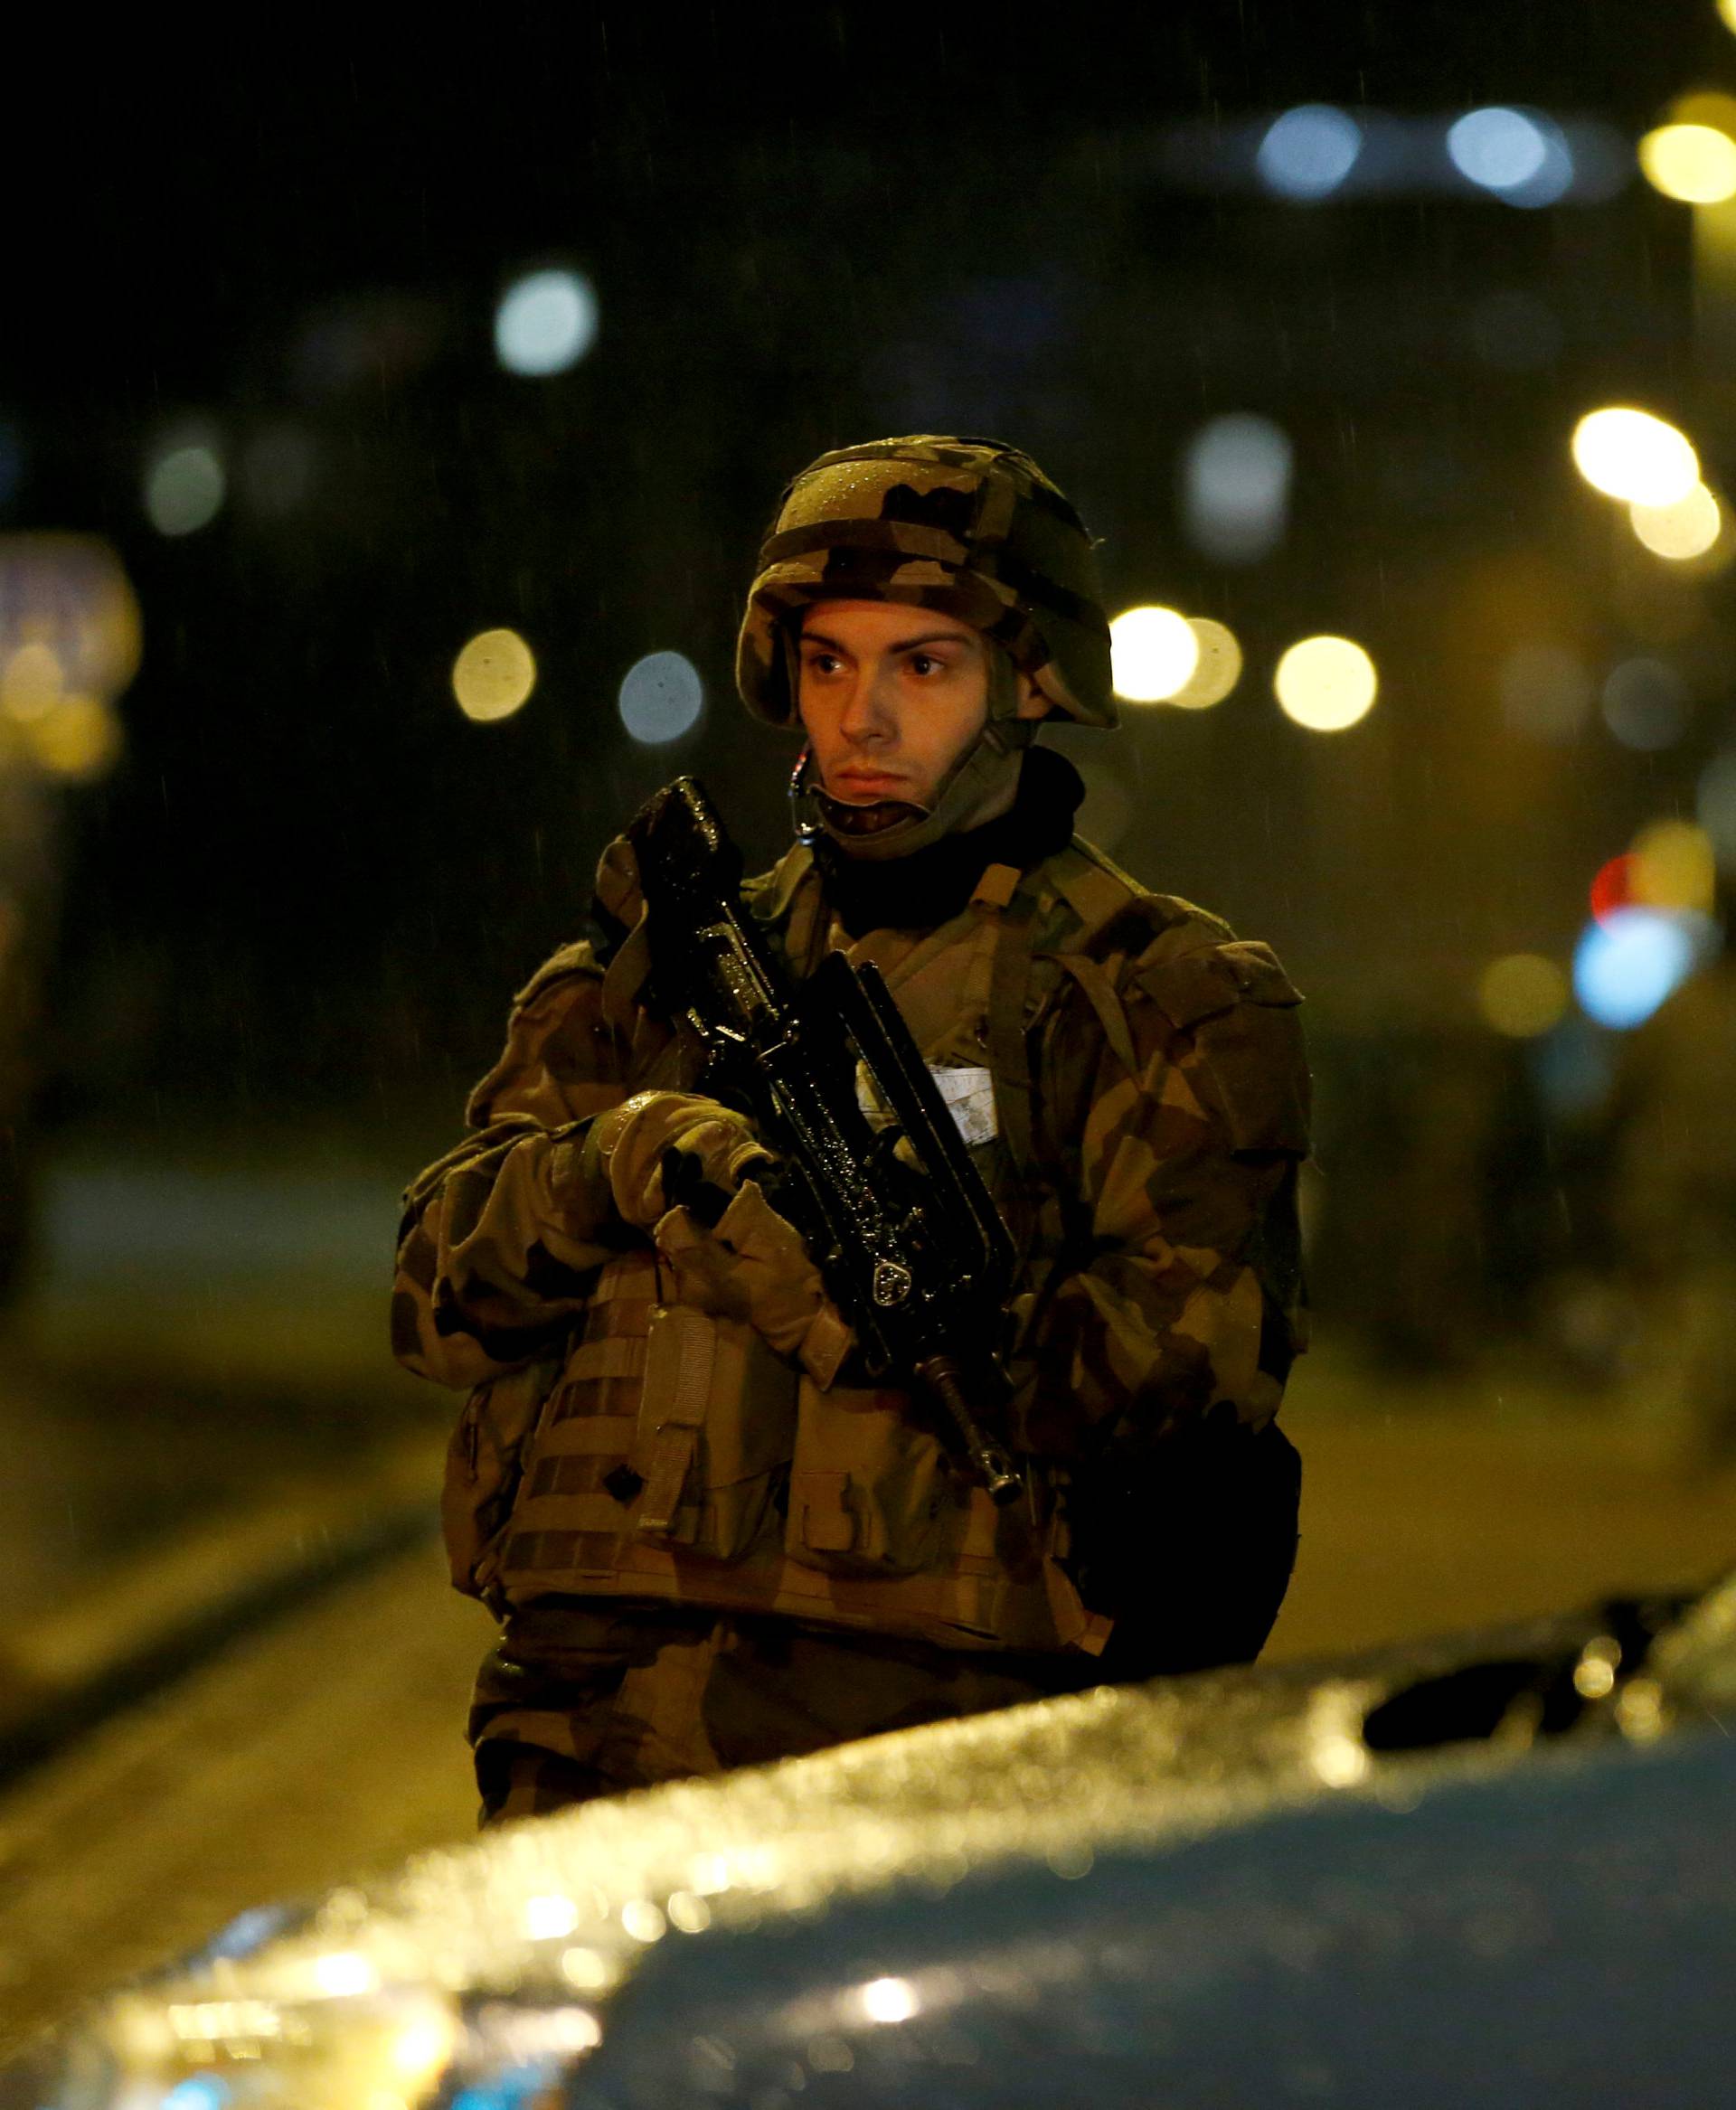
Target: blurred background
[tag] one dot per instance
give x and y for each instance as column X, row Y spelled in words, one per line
column 383, row 447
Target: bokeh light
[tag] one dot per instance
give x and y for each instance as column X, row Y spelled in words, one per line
column 1308, row 152
column 184, row 486
column 77, row 740
column 197, row 2092
column 1326, row 683
column 1498, row 149
column 1630, row 454
column 1694, row 164
column 1153, row 652
column 1566, row 167
column 69, row 624
column 661, row 698
column 420, row 2049
column 1612, row 887
column 344, row 1974
column 32, row 682
column 493, row 675
column 1218, row 668
column 546, row 321
column 1236, row 486
column 1624, row 968
column 1685, row 530
column 1523, row 995
column 1646, row 704
column 1727, row 14
column 1544, row 690
column 1674, row 867
column 890, row 1999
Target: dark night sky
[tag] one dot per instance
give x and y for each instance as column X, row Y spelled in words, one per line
column 309, row 871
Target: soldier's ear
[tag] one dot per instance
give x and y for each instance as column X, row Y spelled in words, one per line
column 1033, row 702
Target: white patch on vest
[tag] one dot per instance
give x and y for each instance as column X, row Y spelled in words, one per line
column 968, row 1089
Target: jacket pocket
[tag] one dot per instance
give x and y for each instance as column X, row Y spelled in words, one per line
column 869, row 1493
column 483, row 1466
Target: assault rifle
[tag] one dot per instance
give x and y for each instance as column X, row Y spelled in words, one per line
column 911, row 1247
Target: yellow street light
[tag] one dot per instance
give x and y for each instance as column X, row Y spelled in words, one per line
column 1218, row 668
column 1674, row 866
column 1153, row 653
column 1694, row 164
column 1630, row 454
column 1326, row 683
column 1681, row 532
column 1523, row 995
column 492, row 675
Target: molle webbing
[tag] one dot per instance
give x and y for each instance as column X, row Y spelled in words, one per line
column 613, row 1506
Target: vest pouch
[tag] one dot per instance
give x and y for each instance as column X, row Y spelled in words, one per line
column 869, row 1493
column 716, row 1427
column 484, row 1465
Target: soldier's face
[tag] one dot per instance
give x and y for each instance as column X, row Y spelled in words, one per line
column 891, row 697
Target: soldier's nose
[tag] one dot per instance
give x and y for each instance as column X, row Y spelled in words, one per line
column 866, row 716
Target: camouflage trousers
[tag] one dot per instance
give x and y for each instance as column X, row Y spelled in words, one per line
column 585, row 1699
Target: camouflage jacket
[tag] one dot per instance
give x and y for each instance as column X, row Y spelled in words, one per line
column 1150, row 1099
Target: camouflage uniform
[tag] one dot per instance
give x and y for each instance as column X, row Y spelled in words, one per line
column 816, row 1568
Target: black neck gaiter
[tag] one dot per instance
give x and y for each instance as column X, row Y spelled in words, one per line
column 922, row 891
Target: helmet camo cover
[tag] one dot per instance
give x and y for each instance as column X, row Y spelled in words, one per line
column 969, row 527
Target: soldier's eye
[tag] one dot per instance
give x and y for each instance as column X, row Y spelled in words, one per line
column 923, row 663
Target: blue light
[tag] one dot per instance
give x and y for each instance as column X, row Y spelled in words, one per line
column 545, row 323
column 1624, row 966
column 248, row 1931
column 512, row 2089
column 1522, row 156
column 1501, row 149
column 202, row 2092
column 661, row 698
column 1236, row 485
column 1309, row 151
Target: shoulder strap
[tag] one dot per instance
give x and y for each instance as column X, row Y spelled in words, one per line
column 1100, row 994
column 1095, row 891
column 1008, row 1055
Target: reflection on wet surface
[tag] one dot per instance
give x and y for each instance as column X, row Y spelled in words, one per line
column 970, row 1911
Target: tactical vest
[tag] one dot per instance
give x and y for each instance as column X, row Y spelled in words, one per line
column 673, row 1455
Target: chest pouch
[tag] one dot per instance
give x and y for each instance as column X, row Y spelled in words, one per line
column 871, row 1492
column 667, row 1428
column 715, row 1428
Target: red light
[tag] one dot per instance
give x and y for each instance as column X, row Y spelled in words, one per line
column 1613, row 888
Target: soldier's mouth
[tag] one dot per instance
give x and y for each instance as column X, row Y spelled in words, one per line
column 870, row 817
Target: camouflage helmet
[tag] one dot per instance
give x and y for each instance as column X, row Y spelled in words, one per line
column 969, row 527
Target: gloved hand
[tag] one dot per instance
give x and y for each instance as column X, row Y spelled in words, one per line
column 753, row 1266
column 630, row 1148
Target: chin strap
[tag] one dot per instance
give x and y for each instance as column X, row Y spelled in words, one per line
column 983, row 775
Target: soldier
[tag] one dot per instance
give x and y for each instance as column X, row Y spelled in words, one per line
column 1131, row 1080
